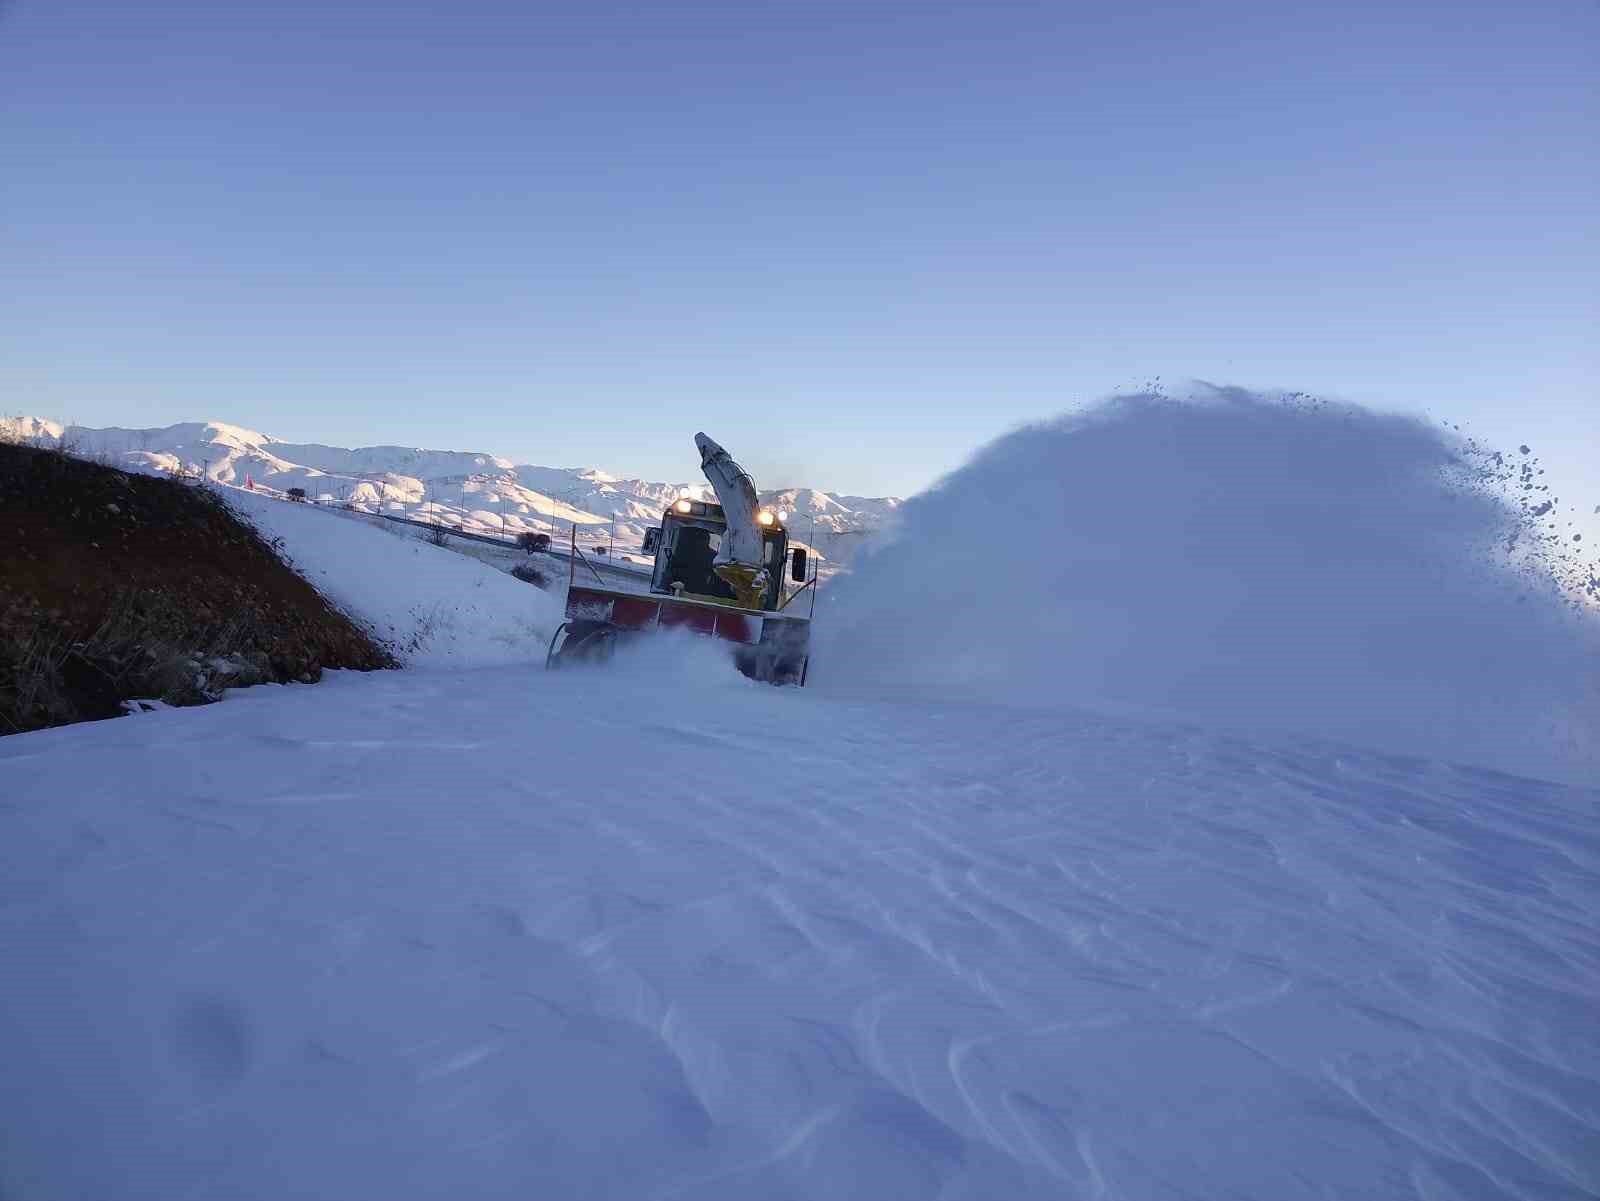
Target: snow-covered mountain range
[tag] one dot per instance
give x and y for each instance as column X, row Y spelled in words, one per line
column 478, row 492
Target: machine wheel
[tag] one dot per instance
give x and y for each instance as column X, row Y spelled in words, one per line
column 586, row 642
column 551, row 659
column 787, row 671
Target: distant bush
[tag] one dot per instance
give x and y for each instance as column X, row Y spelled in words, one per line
column 532, row 542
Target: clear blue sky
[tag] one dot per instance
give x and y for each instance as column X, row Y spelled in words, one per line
column 850, row 239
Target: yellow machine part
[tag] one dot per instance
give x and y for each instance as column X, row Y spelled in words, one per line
column 749, row 583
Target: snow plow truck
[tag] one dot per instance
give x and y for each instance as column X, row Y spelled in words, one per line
column 723, row 569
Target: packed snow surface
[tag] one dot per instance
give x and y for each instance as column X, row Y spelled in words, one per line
column 1245, row 560
column 658, row 932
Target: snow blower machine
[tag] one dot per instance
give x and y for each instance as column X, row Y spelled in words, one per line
column 719, row 571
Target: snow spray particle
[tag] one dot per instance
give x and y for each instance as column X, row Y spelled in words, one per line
column 1249, row 561
column 685, row 658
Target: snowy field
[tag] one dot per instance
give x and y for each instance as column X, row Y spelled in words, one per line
column 937, row 926
column 432, row 934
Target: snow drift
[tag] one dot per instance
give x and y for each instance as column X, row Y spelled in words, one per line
column 432, row 607
column 1247, row 561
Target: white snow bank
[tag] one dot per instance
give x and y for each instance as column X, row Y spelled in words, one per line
column 432, row 606
column 1241, row 560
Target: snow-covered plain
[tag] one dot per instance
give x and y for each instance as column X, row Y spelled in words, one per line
column 481, row 934
column 655, row 931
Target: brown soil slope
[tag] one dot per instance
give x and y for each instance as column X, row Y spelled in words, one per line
column 116, row 586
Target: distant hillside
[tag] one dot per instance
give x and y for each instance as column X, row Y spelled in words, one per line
column 477, row 491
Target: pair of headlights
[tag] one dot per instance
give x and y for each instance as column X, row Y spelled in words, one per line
column 765, row 517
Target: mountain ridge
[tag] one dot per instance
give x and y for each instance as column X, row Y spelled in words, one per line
column 474, row 490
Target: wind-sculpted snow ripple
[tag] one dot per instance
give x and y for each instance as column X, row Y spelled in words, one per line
column 477, row 935
column 1245, row 561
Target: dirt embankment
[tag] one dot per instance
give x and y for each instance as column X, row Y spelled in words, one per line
column 118, row 587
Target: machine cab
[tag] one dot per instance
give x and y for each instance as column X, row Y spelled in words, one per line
column 687, row 542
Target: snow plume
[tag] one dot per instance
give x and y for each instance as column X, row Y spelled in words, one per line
column 690, row 661
column 1242, row 560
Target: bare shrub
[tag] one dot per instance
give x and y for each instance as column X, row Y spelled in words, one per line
column 147, row 646
column 529, row 574
column 431, row 621
column 32, row 692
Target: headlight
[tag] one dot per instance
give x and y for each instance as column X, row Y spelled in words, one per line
column 682, row 506
column 782, row 515
column 764, row 517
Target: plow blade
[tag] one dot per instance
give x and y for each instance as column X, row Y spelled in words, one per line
column 766, row 646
